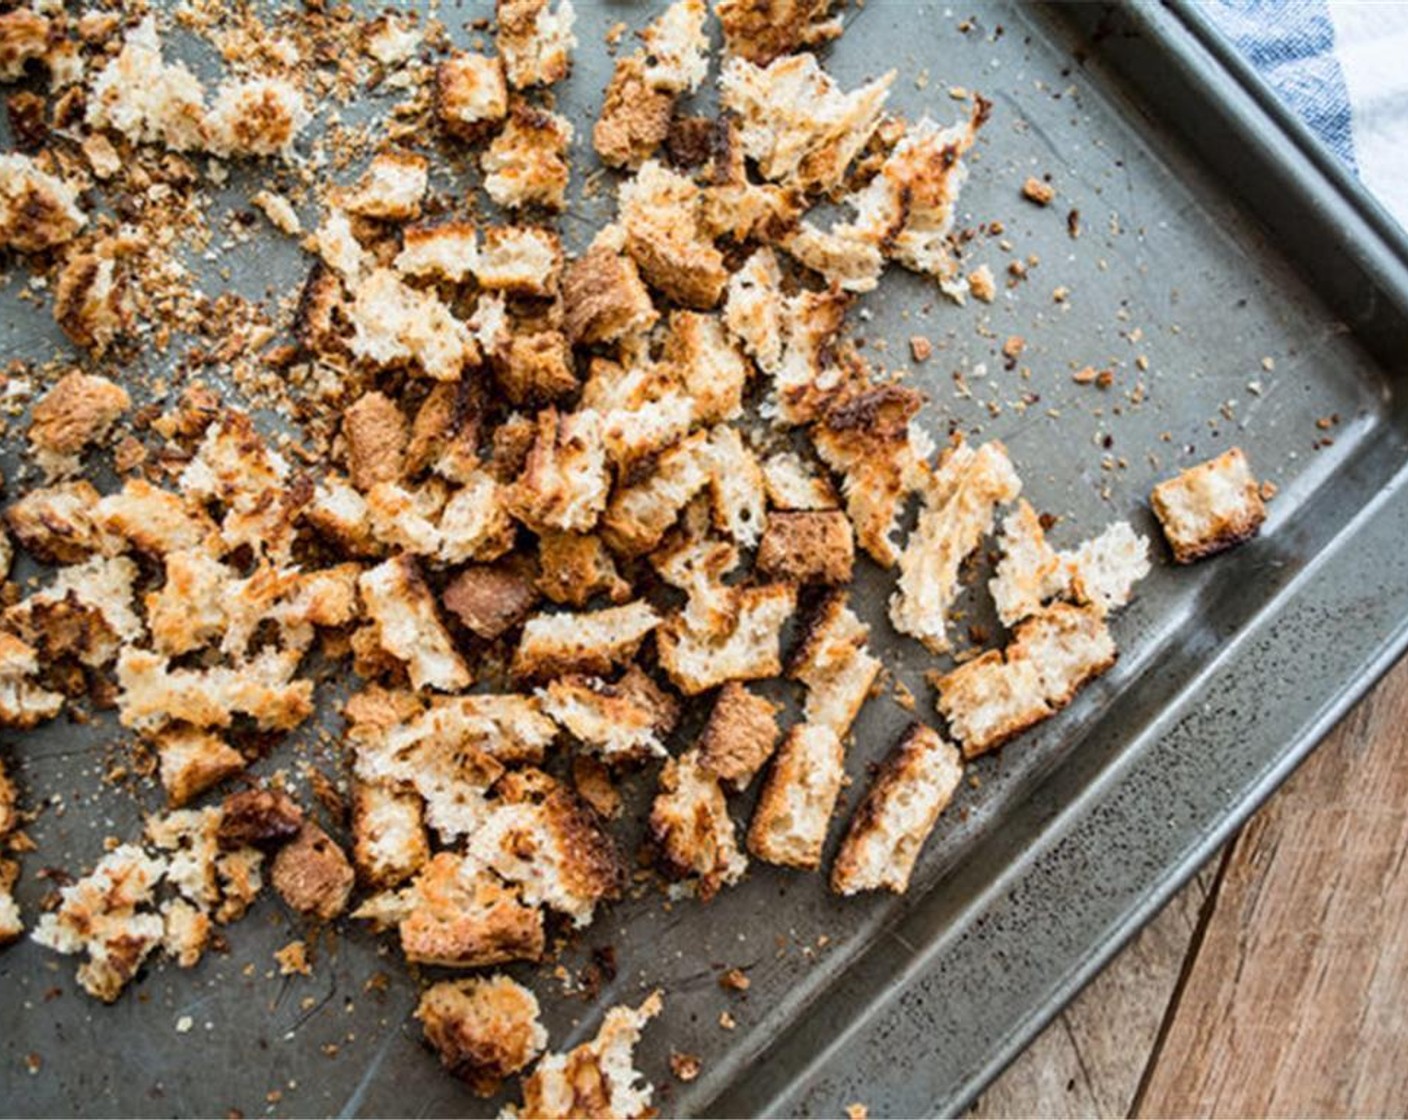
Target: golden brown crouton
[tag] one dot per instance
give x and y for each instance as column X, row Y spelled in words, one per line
column 55, row 523
column 537, row 368
column 915, row 784
column 526, row 165
column 534, row 41
column 445, row 433
column 471, row 95
column 23, row 703
column 91, row 301
column 24, row 35
column 691, row 829
column 255, row 117
column 37, row 210
column 9, row 803
column 635, row 118
column 443, row 251
column 622, row 721
column 392, row 187
column 740, row 736
column 78, row 411
column 389, row 843
column 312, row 875
column 592, row 779
column 255, row 818
column 484, row 1029
column 565, row 482
column 154, row 521
column 191, row 760
column 639, row 515
column 762, row 30
column 490, row 599
column 604, row 298
column 712, row 370
column 659, row 211
column 1209, row 507
column 592, row 642
column 522, row 260
column 574, row 567
column 376, row 435
column 748, row 650
column 794, row 809
column 835, row 665
column 807, row 548
column 395, row 324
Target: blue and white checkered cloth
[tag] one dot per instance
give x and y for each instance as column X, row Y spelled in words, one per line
column 1342, row 65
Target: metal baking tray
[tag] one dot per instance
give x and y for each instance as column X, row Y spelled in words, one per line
column 1214, row 235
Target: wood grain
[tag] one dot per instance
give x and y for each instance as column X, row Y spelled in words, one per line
column 1297, row 1001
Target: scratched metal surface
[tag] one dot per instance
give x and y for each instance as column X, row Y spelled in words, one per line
column 1169, row 268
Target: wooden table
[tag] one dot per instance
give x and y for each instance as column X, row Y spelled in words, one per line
column 1276, row 983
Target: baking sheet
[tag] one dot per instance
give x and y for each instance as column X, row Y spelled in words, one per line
column 1227, row 669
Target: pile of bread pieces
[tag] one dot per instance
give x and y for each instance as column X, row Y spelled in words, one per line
column 563, row 499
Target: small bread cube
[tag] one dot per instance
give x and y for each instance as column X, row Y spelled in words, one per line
column 592, row 642
column 536, row 368
column 763, row 30
column 154, row 521
column 312, row 875
column 888, row 829
column 78, row 411
column 395, row 324
column 1210, row 507
column 622, row 721
column 635, row 118
column 794, row 809
column 392, row 187
column 1069, row 646
column 471, row 95
column 808, row 548
column 740, row 736
column 447, row 251
column 835, row 665
column 565, row 482
column 520, row 259
column 749, row 650
column 191, row 760
column 691, row 829
column 490, row 599
column 376, row 433
column 55, row 523
column 484, row 1028
column 736, row 486
column 575, row 567
column 526, row 165
column 258, row 818
column 604, row 298
column 712, row 370
column 409, row 628
column 795, row 486
column 638, row 515
column 659, row 212
column 91, row 301
column 535, row 42
column 389, row 843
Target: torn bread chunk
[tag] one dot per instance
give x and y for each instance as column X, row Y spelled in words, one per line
column 484, row 1029
column 692, row 832
column 86, row 613
column 256, row 117
column 394, row 324
column 708, row 365
column 799, row 794
column 391, row 188
column 491, row 599
column 527, row 164
column 375, row 433
column 697, row 565
column 740, row 736
column 445, row 251
column 409, row 627
column 576, row 567
column 748, row 650
column 147, row 99
column 736, row 486
column 755, row 308
column 92, row 300
column 635, row 116
column 959, row 508
column 104, row 915
column 77, row 412
column 312, row 874
column 1210, row 507
column 676, row 47
column 764, row 30
column 25, row 35
column 522, row 260
column 890, row 825
column 223, row 880
column 590, row 642
column 535, row 368
column 796, row 486
column 604, row 298
column 535, row 41
column 191, row 760
column 23, row 703
column 797, row 123
column 154, row 694
column 835, row 665
column 389, row 843
column 471, row 95
column 597, row 1078
column 56, row 523
column 1002, row 693
column 153, row 520
column 565, row 483
column 621, row 721
column 458, row 914
column 660, row 216
column 1029, row 571
column 38, row 211
column 539, row 836
column 446, row 429
column 1104, row 570
column 639, row 514
column 815, row 547
column 340, row 513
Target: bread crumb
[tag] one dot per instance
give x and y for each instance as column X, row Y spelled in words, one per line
column 1035, row 190
column 293, row 959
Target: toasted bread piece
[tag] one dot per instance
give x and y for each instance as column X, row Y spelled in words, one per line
column 575, row 567
column 959, row 507
column 445, row 432
column 740, row 736
column 763, row 30
column 749, row 650
column 490, row 599
column 1029, row 572
column 594, row 783
column 23, row 704
column 736, row 485
column 797, row 123
column 255, row 117
column 794, row 809
column 471, row 95
column 536, row 368
column 146, row 99
column 376, row 433
column 192, row 760
column 1104, row 570
column 24, row 36
column 1209, row 507
column 835, row 665
column 591, row 642
column 635, row 117
column 77, row 412
column 755, row 309
column 475, row 525
column 11, row 923
column 639, row 514
column 403, row 608
column 691, row 829
column 484, row 1028
column 185, row 931
column 394, row 324
column 676, row 47
column 539, row 836
column 153, row 694
column 38, row 211
column 312, row 875
column 258, row 818
column 597, row 1078
column 322, row 297
column 523, row 260
column 697, row 566
column 221, row 881
column 622, row 721
column 92, row 301
column 710, row 368
column 101, row 915
column 152, row 520
column 813, row 547
column 564, row 485
column 1069, row 646
column 9, row 803
column 659, row 214
column 526, row 165
column 56, row 524
column 340, row 513
column 389, row 843
column 445, row 251
column 796, row 486
column 604, row 297
column 890, row 825
column 457, row 914
column 391, row 188
column 535, row 41
column 99, row 595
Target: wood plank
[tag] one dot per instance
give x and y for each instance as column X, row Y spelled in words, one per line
column 1089, row 1060
column 1297, row 1001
